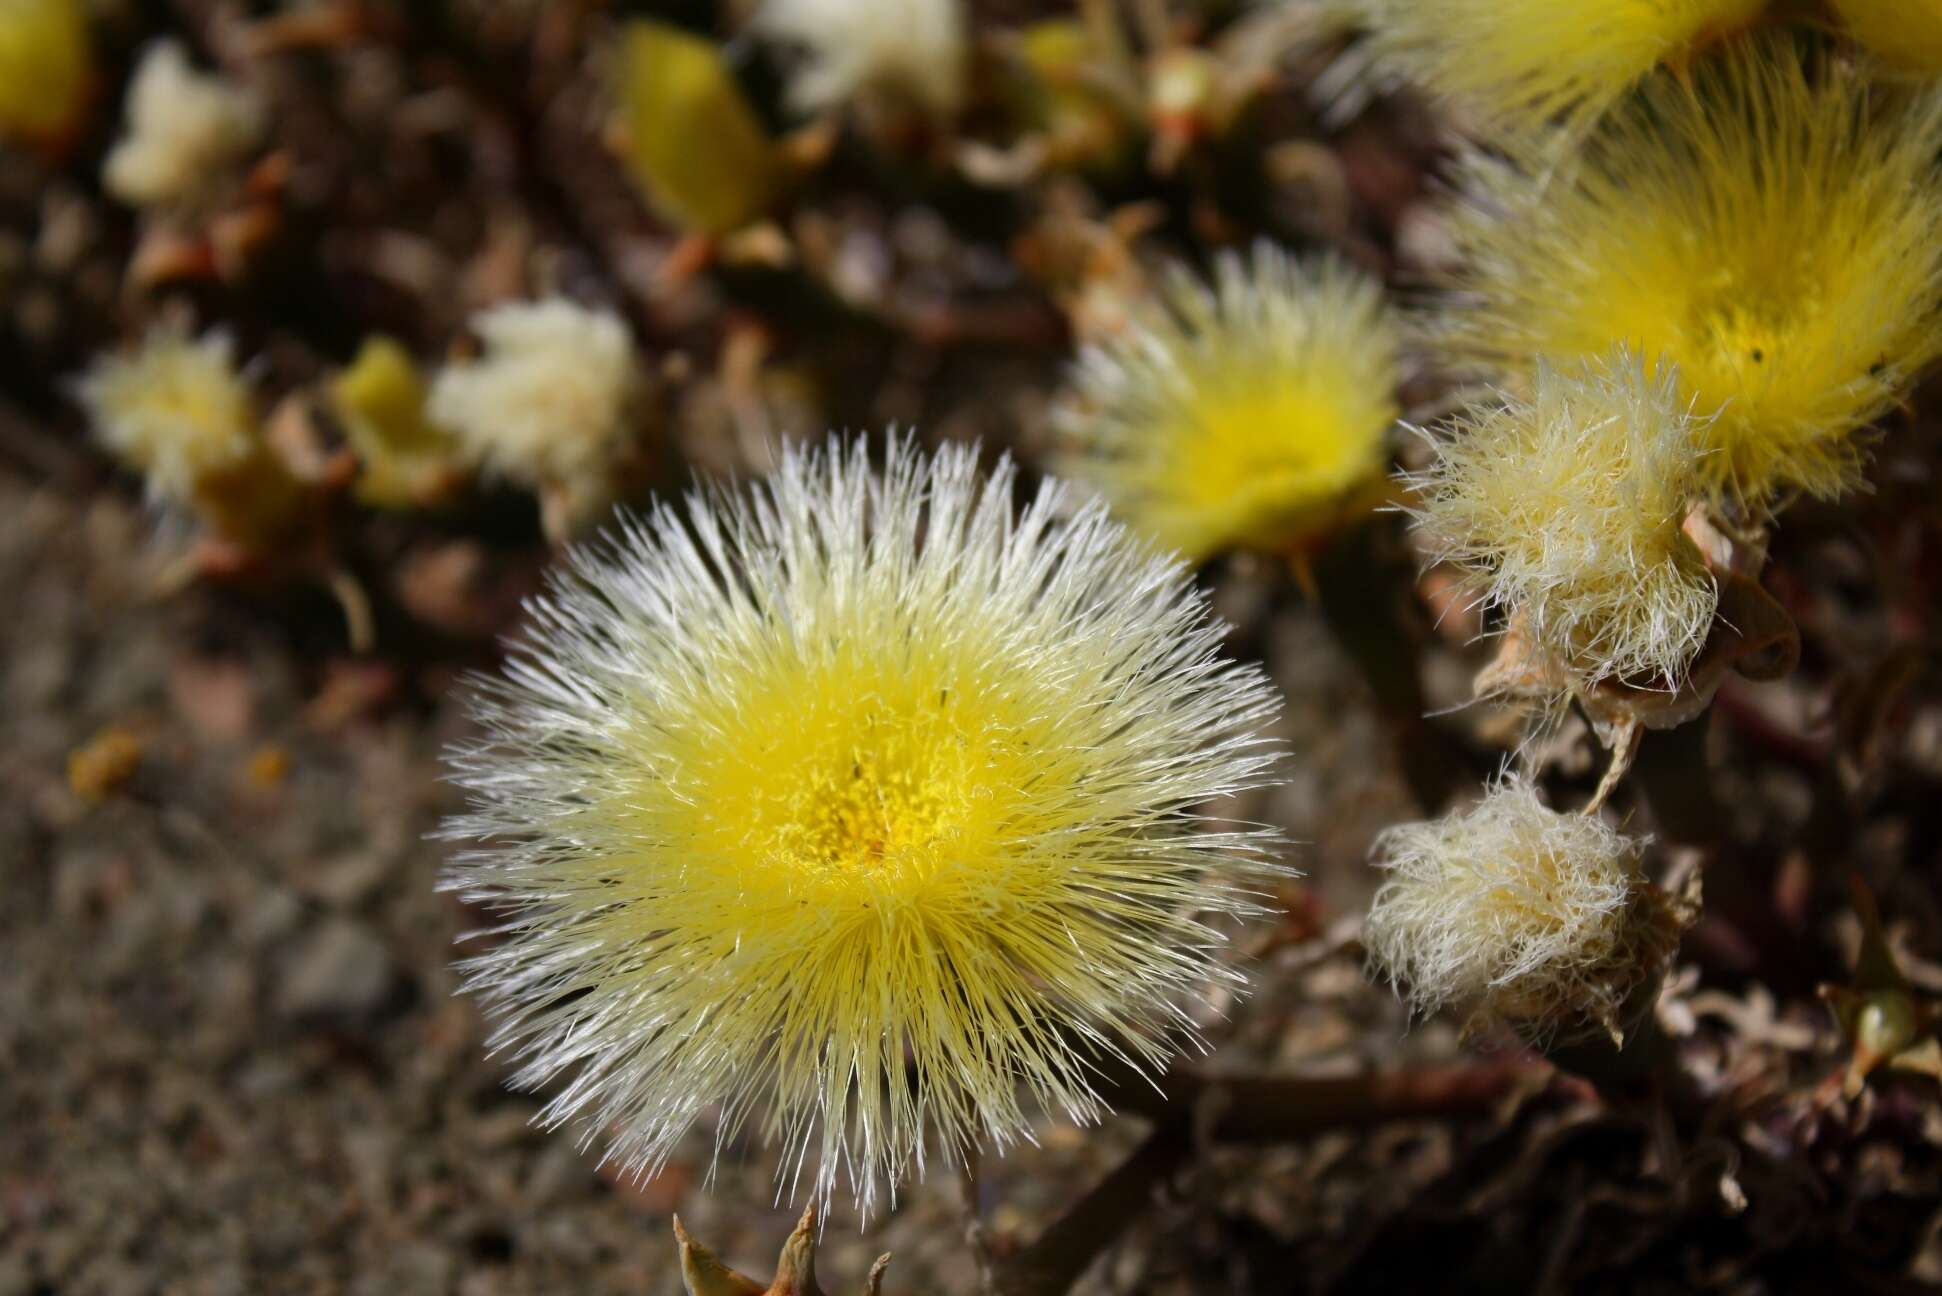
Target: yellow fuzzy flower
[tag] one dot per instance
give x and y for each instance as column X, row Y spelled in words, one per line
column 1518, row 64
column 46, row 68
column 1904, row 34
column 858, row 805
column 176, row 411
column 687, row 133
column 1538, row 920
column 1768, row 229
column 1566, row 510
column 1253, row 411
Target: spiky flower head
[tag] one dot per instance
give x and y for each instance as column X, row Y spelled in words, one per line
column 1517, row 65
column 186, row 132
column 176, row 411
column 1904, row 34
column 551, row 398
column 1566, row 510
column 1253, row 411
column 860, row 802
column 46, row 68
column 1535, row 919
column 912, row 50
column 1769, row 229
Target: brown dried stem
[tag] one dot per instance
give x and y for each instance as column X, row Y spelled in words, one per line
column 1243, row 1109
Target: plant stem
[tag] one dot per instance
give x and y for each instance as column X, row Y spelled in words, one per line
column 1252, row 1109
column 1363, row 591
column 1672, row 771
column 1070, row 1243
column 974, row 1230
column 1279, row 1109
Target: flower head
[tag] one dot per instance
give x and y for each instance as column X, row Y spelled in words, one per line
column 1566, row 510
column 1768, row 230
column 916, row 50
column 551, row 398
column 186, row 131
column 1518, row 64
column 1252, row 411
column 860, row 801
column 177, row 411
column 1540, row 920
column 1904, row 34
column 46, row 68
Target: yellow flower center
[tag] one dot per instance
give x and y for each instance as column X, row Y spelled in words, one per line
column 831, row 787
column 1266, row 457
column 860, row 805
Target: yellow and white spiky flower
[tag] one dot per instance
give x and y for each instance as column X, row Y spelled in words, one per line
column 552, row 398
column 176, row 411
column 1517, row 65
column 186, row 133
column 1904, row 34
column 914, row 50
column 861, row 802
column 1540, row 920
column 1769, row 229
column 1566, row 510
column 1253, row 411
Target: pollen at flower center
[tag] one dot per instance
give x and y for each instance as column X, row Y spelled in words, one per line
column 838, row 786
column 886, row 805
column 1260, row 447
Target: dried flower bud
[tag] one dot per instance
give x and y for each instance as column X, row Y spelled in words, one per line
column 550, row 405
column 915, row 51
column 1539, row 920
column 1566, row 509
column 187, row 133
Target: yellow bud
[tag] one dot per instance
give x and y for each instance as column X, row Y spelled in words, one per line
column 402, row 455
column 685, row 130
column 46, row 69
